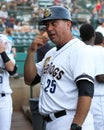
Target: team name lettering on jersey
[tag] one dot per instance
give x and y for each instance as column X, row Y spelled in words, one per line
column 52, row 70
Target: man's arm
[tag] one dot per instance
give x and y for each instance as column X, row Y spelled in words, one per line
column 30, row 70
column 8, row 63
column 86, row 90
column 83, row 106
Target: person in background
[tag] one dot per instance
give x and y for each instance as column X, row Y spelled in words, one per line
column 100, row 27
column 75, row 30
column 98, row 99
column 95, row 39
column 99, row 40
column 2, row 25
column 99, row 7
column 67, row 73
column 18, row 26
column 8, row 33
column 26, row 27
column 4, row 12
column 42, row 50
column 87, row 33
column 7, row 67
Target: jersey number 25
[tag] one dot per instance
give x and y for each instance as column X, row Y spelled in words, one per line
column 51, row 86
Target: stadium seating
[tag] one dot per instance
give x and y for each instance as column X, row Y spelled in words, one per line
column 23, row 40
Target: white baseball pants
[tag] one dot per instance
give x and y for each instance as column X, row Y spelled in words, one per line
column 5, row 112
column 97, row 108
column 64, row 122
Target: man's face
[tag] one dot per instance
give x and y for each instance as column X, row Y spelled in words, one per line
column 57, row 30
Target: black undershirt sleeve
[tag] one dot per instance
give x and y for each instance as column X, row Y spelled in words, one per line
column 14, row 71
column 85, row 88
column 36, row 80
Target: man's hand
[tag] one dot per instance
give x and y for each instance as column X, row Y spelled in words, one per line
column 39, row 41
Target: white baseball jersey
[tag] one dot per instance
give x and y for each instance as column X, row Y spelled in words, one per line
column 99, row 63
column 100, row 29
column 5, row 101
column 59, row 71
column 98, row 99
column 4, row 75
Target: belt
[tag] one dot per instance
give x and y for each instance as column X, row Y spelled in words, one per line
column 56, row 115
column 2, row 95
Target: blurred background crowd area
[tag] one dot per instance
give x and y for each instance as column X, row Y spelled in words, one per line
column 22, row 16
column 14, row 13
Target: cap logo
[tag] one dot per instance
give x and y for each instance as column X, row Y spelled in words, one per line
column 47, row 13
